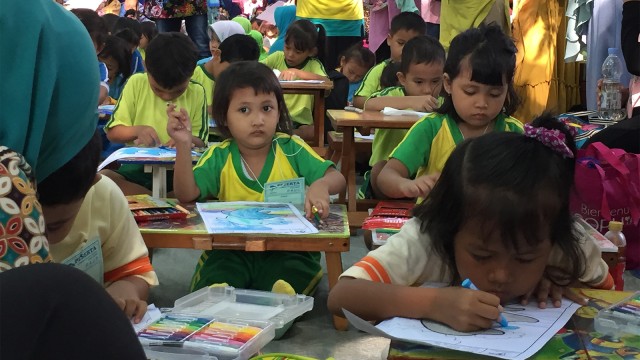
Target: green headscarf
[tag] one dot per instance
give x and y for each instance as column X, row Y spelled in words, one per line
column 244, row 22
column 259, row 39
column 50, row 83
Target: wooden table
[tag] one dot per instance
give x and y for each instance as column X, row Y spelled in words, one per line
column 347, row 121
column 190, row 233
column 318, row 90
column 577, row 340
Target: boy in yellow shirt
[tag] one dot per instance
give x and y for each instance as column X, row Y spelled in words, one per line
column 140, row 116
column 404, row 27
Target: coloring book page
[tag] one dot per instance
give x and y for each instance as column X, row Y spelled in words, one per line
column 151, row 154
column 254, row 218
column 530, row 328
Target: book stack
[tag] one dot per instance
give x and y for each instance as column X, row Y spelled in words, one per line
column 386, row 219
column 148, row 208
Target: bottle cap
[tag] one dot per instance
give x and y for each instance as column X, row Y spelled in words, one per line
column 613, row 51
column 615, row 225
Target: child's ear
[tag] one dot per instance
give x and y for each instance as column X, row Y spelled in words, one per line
column 314, row 51
column 389, row 39
column 446, row 83
column 401, row 78
column 342, row 61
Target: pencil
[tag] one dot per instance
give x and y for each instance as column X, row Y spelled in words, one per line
column 316, row 216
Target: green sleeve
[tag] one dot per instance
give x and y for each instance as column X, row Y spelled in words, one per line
column 306, row 162
column 413, row 152
column 125, row 111
column 371, row 82
column 199, row 117
column 208, row 170
column 272, row 61
column 316, row 67
column 513, row 125
column 390, row 91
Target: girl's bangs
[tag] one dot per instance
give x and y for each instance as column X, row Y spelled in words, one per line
column 486, row 69
column 525, row 218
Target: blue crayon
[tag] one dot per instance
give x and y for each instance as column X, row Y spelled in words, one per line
column 469, row 285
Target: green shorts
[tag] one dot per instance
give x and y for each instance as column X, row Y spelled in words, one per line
column 258, row 270
column 135, row 174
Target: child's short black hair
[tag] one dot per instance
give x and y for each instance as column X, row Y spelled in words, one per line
column 305, row 35
column 248, row 74
column 117, row 49
column 128, row 29
column 360, row 54
column 110, row 20
column 94, row 24
column 491, row 55
column 171, row 59
column 408, row 21
column 149, row 30
column 389, row 75
column 72, row 181
column 239, row 47
column 511, row 184
column 422, row 49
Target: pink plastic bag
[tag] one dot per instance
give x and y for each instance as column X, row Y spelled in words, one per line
column 607, row 187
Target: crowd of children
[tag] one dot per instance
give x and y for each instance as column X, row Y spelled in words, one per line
column 492, row 194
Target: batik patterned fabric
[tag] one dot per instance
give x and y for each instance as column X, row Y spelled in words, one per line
column 168, row 9
column 22, row 226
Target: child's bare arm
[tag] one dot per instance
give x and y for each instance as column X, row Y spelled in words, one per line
column 130, row 293
column 417, row 103
column 198, row 142
column 393, row 179
column 358, row 101
column 140, row 134
column 318, row 194
column 179, row 129
column 296, row 74
column 462, row 309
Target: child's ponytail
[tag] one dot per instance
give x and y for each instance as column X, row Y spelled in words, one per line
column 321, row 42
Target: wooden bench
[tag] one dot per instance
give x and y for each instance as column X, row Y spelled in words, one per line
column 334, row 152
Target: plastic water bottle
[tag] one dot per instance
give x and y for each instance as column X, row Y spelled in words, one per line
column 212, row 11
column 610, row 95
column 617, row 238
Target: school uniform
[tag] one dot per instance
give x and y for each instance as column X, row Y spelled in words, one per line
column 207, row 80
column 385, row 140
column 408, row 259
column 139, row 105
column 428, row 144
column 371, row 81
column 220, row 174
column 105, row 214
column 300, row 106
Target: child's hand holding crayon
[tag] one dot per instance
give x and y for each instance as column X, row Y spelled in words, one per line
column 464, row 309
column 316, row 203
column 146, row 136
column 133, row 308
column 179, row 125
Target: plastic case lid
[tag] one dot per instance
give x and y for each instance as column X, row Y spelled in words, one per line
column 621, row 318
column 233, row 303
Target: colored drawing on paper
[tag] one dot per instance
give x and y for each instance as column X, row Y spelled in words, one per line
column 254, row 217
column 535, row 327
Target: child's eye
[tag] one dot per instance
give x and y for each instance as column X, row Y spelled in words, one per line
column 525, row 260
column 479, row 257
column 495, row 95
column 244, row 109
column 267, row 108
column 418, row 82
column 467, row 92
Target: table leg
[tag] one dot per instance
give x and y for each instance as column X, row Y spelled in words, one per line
column 334, row 269
column 159, row 189
column 348, row 166
column 318, row 117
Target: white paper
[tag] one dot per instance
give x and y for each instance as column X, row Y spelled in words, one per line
column 247, row 217
column 357, row 135
column 535, row 327
column 141, row 152
column 152, row 315
column 302, row 81
column 392, row 111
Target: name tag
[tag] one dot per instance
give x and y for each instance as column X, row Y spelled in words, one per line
column 89, row 260
column 285, row 191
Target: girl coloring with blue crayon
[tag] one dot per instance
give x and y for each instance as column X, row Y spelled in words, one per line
column 249, row 110
column 498, row 216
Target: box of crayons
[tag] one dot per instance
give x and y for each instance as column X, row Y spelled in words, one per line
column 222, row 323
column 622, row 318
column 147, row 208
column 388, row 215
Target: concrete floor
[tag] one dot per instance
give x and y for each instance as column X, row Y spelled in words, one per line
column 312, row 335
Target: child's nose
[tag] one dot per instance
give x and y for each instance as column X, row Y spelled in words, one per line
column 500, row 274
